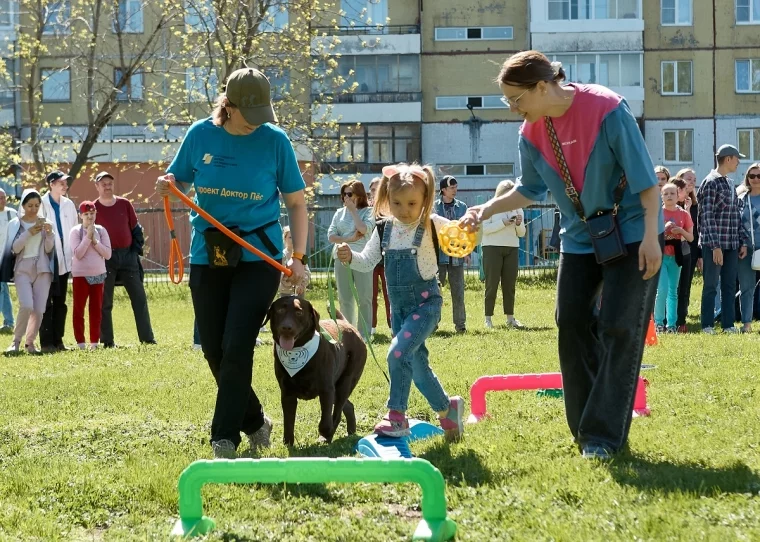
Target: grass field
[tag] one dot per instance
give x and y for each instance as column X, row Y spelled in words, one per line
column 92, row 443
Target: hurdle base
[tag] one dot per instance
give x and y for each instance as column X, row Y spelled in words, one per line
column 435, row 531
column 475, row 418
column 193, row 527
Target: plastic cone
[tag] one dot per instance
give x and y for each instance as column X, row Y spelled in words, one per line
column 651, row 339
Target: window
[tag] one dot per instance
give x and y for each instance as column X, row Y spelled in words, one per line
column 5, row 13
column 368, row 147
column 376, row 73
column 748, row 75
column 749, row 143
column 608, row 69
column 482, row 33
column 676, row 77
column 364, row 12
column 279, row 81
column 56, row 85
column 679, row 146
column 202, row 84
column 476, row 170
column 443, row 103
column 747, row 11
column 275, row 19
column 676, row 12
column 200, row 16
column 6, row 84
column 131, row 90
column 566, row 10
column 129, row 17
column 56, row 16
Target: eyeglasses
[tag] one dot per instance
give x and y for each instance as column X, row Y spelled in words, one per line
column 753, row 176
column 348, row 194
column 512, row 102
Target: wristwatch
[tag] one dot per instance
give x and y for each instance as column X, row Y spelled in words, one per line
column 300, row 257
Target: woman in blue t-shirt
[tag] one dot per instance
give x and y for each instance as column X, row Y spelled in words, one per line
column 239, row 164
column 581, row 139
column 750, row 198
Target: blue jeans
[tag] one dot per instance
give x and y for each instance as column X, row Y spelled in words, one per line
column 600, row 355
column 747, row 283
column 5, row 305
column 726, row 273
column 667, row 292
column 415, row 312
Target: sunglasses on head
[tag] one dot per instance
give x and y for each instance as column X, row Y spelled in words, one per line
column 753, row 176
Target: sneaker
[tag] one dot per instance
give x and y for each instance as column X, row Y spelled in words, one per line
column 373, row 331
column 708, row 330
column 263, row 329
column 61, row 348
column 514, row 323
column 6, row 330
column 746, row 329
column 670, row 330
column 260, row 438
column 197, row 347
column 461, row 330
column 259, row 342
column 93, row 346
column 731, row 330
column 682, row 329
column 593, row 450
column 45, row 349
column 82, row 346
column 453, row 423
column 489, row 324
column 110, row 345
column 13, row 348
column 659, row 328
column 223, row 449
column 394, row 424
column 31, row 349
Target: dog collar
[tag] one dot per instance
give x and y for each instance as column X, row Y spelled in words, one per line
column 296, row 359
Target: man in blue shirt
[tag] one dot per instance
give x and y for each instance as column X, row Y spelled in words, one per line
column 449, row 207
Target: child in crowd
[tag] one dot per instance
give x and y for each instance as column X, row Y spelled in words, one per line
column 403, row 209
column 678, row 228
column 285, row 287
column 92, row 247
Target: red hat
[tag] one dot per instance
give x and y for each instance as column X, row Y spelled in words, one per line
column 86, row 207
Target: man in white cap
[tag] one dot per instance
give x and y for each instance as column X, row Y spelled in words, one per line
column 6, row 307
column 722, row 237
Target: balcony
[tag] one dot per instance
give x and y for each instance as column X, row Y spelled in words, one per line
column 368, row 40
column 384, row 107
column 590, row 25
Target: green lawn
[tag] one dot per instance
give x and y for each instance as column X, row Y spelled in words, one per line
column 91, row 444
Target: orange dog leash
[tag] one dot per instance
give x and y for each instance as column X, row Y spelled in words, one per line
column 175, row 255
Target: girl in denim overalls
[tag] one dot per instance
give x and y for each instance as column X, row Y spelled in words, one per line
column 404, row 203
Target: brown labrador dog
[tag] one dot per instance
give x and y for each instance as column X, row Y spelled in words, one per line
column 331, row 373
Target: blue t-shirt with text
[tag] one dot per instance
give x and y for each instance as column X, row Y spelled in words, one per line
column 238, row 181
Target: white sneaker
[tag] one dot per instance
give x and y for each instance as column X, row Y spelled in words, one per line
column 93, row 346
column 263, row 329
column 82, row 346
column 259, row 342
column 731, row 330
column 373, row 331
column 708, row 330
column 514, row 323
column 261, row 438
column 223, row 449
column 489, row 324
column 197, row 347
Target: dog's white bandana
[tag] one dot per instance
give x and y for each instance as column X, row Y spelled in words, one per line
column 296, row 359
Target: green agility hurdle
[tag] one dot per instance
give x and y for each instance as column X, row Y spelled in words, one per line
column 434, row 526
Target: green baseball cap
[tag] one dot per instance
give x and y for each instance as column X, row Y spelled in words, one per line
column 248, row 90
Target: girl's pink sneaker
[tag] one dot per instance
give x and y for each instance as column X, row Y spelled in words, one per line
column 394, row 424
column 453, row 423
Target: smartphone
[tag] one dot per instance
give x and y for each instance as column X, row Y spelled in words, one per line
column 40, row 221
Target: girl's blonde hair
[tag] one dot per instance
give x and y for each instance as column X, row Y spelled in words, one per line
column 401, row 177
column 680, row 174
column 504, row 186
column 662, row 169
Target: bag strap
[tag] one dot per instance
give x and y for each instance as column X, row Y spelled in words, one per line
column 570, row 190
column 751, row 220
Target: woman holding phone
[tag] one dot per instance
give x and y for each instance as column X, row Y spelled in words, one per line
column 32, row 241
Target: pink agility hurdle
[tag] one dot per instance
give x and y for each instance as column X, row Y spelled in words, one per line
column 533, row 382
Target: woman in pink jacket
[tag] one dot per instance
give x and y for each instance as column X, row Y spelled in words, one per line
column 92, row 247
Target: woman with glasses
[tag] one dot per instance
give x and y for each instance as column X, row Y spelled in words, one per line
column 353, row 224
column 583, row 143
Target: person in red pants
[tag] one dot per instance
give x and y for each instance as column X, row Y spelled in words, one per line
column 92, row 247
column 378, row 273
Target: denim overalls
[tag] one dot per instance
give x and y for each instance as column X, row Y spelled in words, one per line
column 415, row 312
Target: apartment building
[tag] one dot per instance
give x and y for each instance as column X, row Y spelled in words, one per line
column 9, row 104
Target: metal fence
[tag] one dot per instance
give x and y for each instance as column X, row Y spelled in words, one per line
column 537, row 259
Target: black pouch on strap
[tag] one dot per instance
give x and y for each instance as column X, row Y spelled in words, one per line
column 222, row 251
column 606, row 237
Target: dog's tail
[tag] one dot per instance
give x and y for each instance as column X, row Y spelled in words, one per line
column 338, row 314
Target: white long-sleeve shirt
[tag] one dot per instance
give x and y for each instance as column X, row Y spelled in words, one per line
column 496, row 234
column 402, row 237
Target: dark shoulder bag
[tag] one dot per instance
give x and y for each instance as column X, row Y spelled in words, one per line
column 603, row 227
